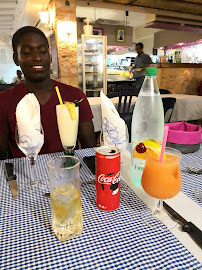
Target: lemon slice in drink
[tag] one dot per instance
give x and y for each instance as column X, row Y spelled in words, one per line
column 71, row 107
column 153, row 148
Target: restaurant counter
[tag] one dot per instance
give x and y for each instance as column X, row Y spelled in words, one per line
column 179, row 78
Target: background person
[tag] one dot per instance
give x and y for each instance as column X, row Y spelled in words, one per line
column 19, row 77
column 140, row 63
column 31, row 53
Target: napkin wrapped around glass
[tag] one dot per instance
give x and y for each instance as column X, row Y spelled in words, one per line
column 29, row 121
column 114, row 128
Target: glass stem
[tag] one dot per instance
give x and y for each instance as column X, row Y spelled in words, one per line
column 33, row 174
column 159, row 207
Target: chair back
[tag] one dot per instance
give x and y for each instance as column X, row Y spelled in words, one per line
column 125, row 109
column 164, row 91
column 168, row 105
column 125, row 88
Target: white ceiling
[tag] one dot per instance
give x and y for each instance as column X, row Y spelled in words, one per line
column 134, row 19
column 17, row 13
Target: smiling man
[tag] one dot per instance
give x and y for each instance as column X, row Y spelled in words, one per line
column 31, row 53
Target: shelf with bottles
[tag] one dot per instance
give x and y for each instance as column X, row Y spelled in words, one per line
column 92, row 64
column 91, row 73
column 126, row 66
column 91, row 54
column 95, row 89
column 91, row 51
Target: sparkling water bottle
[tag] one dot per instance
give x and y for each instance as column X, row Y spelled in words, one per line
column 147, row 123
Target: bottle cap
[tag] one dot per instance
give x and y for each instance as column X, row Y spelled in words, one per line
column 150, row 71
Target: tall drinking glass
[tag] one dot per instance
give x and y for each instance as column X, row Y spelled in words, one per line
column 162, row 180
column 66, row 209
column 68, row 126
column 31, row 151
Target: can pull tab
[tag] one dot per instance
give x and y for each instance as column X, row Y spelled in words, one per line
column 110, row 151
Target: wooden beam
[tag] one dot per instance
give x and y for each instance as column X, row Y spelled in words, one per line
column 171, row 5
column 178, row 20
column 110, row 5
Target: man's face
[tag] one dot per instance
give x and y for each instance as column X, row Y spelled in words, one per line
column 33, row 57
column 138, row 49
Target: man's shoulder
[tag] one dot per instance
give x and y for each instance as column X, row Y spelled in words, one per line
column 12, row 93
column 145, row 55
column 147, row 58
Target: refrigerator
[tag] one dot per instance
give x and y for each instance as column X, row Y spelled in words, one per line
column 92, row 64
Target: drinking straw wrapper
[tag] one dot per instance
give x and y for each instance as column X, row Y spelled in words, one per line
column 29, row 121
column 114, row 129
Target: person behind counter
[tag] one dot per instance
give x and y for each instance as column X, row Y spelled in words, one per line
column 140, row 63
column 31, row 53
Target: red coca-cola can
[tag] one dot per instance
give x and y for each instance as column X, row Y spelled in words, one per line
column 107, row 178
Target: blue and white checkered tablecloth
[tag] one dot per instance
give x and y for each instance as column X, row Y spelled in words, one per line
column 191, row 181
column 110, row 240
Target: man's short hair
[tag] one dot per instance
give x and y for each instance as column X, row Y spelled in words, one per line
column 23, row 31
column 140, row 44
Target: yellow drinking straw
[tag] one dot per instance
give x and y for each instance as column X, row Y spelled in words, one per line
column 59, row 96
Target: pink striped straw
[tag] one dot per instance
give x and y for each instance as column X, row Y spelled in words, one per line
column 165, row 135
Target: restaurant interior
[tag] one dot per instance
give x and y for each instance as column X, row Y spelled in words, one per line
column 169, row 36
column 112, row 220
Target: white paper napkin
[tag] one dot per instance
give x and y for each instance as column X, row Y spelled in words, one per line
column 29, row 121
column 114, row 129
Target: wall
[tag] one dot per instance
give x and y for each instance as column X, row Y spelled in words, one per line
column 7, row 65
column 168, row 38
column 179, row 78
column 110, row 32
column 66, row 45
column 146, row 36
column 8, row 72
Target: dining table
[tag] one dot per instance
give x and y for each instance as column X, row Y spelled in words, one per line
column 187, row 108
column 110, row 240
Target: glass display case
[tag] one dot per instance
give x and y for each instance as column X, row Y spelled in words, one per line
column 92, row 64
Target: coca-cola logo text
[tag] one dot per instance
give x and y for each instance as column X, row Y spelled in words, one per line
column 109, row 180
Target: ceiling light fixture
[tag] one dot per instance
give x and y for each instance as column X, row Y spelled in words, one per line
column 44, row 16
column 66, row 30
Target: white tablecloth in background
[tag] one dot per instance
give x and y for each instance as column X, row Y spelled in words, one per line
column 187, row 108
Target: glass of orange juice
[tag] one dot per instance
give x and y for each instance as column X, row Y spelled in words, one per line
column 162, row 180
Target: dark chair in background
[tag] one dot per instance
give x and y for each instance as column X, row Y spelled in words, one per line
column 125, row 109
column 125, row 88
column 168, row 104
column 164, row 91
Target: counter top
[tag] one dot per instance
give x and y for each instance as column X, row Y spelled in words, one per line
column 175, row 65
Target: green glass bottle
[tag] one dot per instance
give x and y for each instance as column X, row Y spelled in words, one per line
column 69, row 152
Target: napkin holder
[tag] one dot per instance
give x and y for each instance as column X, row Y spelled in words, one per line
column 184, row 137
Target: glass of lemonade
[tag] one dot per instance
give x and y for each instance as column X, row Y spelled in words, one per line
column 68, row 120
column 64, row 176
column 162, row 180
